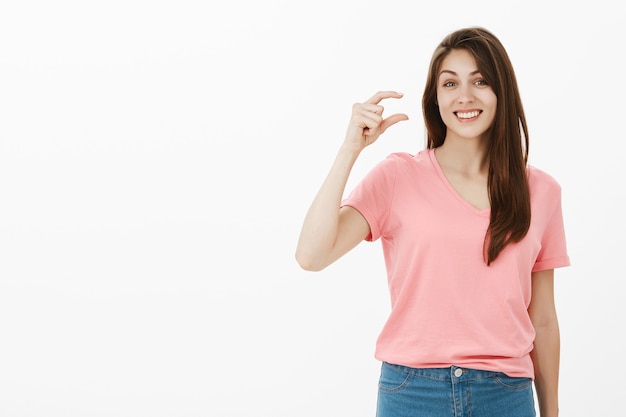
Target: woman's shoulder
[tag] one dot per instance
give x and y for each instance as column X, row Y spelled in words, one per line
column 409, row 159
column 540, row 179
column 402, row 164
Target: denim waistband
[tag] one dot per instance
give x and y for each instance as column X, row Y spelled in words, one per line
column 452, row 373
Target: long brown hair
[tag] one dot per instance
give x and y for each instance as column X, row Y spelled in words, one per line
column 507, row 145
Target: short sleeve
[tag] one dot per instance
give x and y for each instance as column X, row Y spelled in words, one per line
column 553, row 252
column 372, row 195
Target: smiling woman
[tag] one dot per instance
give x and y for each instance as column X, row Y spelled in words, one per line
column 463, row 96
column 455, row 223
column 467, row 106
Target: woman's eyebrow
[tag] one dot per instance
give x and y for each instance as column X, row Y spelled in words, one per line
column 455, row 74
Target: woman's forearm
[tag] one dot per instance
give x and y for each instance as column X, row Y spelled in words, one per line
column 546, row 358
column 320, row 226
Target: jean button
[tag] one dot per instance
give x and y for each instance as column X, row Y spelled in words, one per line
column 458, row 372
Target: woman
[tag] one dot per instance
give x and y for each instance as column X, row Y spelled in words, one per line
column 471, row 235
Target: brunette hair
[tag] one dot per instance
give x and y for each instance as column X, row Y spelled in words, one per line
column 507, row 144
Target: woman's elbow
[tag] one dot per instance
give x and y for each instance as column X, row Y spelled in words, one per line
column 308, row 262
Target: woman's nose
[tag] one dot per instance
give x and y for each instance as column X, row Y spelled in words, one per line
column 465, row 94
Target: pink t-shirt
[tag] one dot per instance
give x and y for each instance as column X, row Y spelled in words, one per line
column 447, row 306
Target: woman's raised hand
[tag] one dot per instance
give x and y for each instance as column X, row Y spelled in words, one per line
column 367, row 122
column 328, row 231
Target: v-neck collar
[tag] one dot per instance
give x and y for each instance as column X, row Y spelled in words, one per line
column 453, row 191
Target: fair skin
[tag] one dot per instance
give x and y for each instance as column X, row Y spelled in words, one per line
column 546, row 353
column 467, row 106
column 329, row 232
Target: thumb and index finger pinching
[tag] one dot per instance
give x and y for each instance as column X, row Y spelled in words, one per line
column 394, row 118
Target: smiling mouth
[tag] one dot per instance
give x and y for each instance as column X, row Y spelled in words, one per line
column 467, row 115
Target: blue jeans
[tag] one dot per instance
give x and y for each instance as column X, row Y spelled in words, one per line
column 452, row 392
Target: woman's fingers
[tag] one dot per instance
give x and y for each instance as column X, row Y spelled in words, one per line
column 392, row 120
column 374, row 108
column 381, row 95
column 362, row 114
column 367, row 122
column 374, row 120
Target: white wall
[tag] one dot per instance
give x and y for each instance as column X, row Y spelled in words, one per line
column 157, row 159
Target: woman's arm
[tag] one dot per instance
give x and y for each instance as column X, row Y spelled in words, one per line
column 329, row 232
column 546, row 353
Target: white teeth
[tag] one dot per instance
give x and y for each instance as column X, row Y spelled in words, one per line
column 468, row 115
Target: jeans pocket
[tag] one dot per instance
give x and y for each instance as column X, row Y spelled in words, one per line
column 393, row 378
column 513, row 383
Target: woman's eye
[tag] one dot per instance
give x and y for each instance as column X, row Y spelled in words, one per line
column 481, row 82
column 449, row 84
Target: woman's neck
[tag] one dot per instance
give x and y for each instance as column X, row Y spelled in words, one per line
column 464, row 156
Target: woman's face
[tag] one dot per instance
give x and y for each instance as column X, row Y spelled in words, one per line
column 467, row 105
